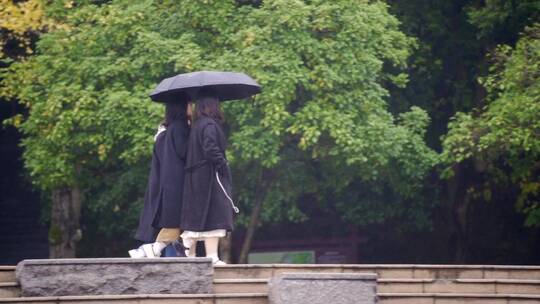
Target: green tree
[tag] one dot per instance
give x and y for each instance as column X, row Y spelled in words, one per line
column 18, row 21
column 323, row 109
column 454, row 38
column 503, row 137
column 322, row 69
column 500, row 20
column 86, row 115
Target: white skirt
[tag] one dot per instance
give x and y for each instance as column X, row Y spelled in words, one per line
column 189, row 238
column 198, row 235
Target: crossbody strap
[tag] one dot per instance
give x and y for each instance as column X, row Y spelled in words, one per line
column 236, row 210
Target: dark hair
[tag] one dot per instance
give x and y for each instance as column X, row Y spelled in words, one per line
column 173, row 111
column 208, row 105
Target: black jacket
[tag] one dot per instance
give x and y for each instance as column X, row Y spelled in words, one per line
column 205, row 206
column 163, row 197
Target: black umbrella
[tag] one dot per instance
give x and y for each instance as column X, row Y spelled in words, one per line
column 185, row 87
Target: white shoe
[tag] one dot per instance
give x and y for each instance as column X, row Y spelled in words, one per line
column 137, row 253
column 216, row 260
column 158, row 247
column 148, row 250
column 188, row 242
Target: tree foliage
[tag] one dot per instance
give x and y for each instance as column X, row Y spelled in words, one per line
column 496, row 17
column 21, row 22
column 454, row 38
column 17, row 19
column 504, row 135
column 323, row 111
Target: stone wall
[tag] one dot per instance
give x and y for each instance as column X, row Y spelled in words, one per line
column 113, row 276
column 323, row 288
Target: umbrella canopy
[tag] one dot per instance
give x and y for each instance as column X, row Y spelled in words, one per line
column 185, row 87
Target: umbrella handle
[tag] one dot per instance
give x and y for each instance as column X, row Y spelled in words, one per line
column 236, row 210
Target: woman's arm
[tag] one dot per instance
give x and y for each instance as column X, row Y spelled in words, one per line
column 211, row 149
column 180, row 135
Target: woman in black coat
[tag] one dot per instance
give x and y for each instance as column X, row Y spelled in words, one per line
column 160, row 218
column 207, row 212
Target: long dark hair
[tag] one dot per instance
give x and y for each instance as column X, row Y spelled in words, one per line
column 174, row 110
column 208, row 105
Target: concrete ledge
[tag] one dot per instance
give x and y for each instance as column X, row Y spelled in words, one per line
column 241, row 285
column 385, row 266
column 441, row 298
column 9, row 290
column 417, row 271
column 101, row 261
column 240, row 281
column 323, row 288
column 72, row 277
column 461, row 295
column 7, row 273
column 251, row 298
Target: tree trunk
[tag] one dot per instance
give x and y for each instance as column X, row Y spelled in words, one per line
column 265, row 179
column 64, row 230
column 250, row 232
column 461, row 208
column 458, row 201
column 225, row 249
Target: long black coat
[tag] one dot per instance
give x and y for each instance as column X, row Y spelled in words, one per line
column 205, row 206
column 163, row 197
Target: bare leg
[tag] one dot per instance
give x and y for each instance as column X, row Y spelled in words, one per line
column 191, row 247
column 211, row 246
column 153, row 250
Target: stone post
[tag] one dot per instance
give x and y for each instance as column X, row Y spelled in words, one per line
column 323, row 288
column 114, row 276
